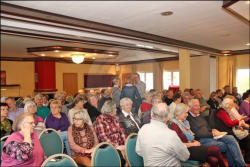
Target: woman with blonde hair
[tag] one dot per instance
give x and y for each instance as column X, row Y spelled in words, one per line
column 23, row 148
column 82, row 139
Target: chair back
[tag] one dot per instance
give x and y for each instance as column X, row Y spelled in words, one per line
column 3, row 139
column 59, row 160
column 133, row 158
column 191, row 163
column 51, row 142
column 105, row 155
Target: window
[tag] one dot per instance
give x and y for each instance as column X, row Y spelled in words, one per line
column 147, row 78
column 170, row 78
column 242, row 80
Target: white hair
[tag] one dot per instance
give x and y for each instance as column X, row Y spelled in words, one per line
column 38, row 95
column 160, row 112
column 28, row 104
column 226, row 102
column 124, row 100
column 179, row 109
column 190, row 103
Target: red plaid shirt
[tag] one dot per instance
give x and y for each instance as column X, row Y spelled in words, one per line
column 108, row 129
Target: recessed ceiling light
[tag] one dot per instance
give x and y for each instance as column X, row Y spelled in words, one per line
column 168, row 13
column 225, row 35
column 94, row 53
column 56, row 51
column 93, row 57
column 110, row 55
column 43, row 54
column 226, row 54
column 248, row 44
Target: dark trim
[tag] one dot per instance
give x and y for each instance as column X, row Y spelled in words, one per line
column 67, row 48
column 241, row 52
column 10, row 85
column 227, row 3
column 45, row 90
column 66, row 20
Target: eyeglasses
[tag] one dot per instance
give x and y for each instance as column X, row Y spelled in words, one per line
column 77, row 119
column 31, row 123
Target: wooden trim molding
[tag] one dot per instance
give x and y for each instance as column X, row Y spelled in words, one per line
column 45, row 90
column 20, row 11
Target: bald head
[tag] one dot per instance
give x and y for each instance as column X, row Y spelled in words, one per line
column 160, row 112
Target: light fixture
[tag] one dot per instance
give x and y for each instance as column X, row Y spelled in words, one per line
column 248, row 44
column 226, row 54
column 168, row 13
column 77, row 58
column 93, row 57
column 110, row 55
column 42, row 54
column 56, row 51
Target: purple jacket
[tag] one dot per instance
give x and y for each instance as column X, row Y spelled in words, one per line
column 35, row 159
column 245, row 109
column 57, row 124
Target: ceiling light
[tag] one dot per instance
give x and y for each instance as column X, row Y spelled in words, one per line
column 93, row 57
column 77, row 58
column 110, row 55
column 56, row 51
column 248, row 44
column 144, row 46
column 168, row 13
column 248, row 2
column 226, row 54
column 43, row 54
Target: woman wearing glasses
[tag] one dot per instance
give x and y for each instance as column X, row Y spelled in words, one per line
column 23, row 148
column 82, row 139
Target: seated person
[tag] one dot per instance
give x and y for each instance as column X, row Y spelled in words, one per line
column 205, row 135
column 245, row 106
column 157, row 144
column 176, row 100
column 82, row 139
column 91, row 107
column 77, row 105
column 147, row 103
column 30, row 107
column 213, row 101
column 129, row 121
column 230, row 124
column 59, row 121
column 6, row 123
column 203, row 104
column 108, row 128
column 104, row 97
column 147, row 115
column 23, row 148
column 169, row 97
column 210, row 154
column 14, row 111
column 60, row 97
column 41, row 110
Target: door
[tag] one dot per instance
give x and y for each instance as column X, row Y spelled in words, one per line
column 70, row 83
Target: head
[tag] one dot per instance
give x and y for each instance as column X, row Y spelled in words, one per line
column 136, row 77
column 198, row 93
column 117, row 81
column 219, row 92
column 227, row 89
column 156, row 100
column 181, row 112
column 23, row 121
column 30, row 107
column 39, row 100
column 107, row 93
column 59, row 97
column 160, row 112
column 227, row 104
column 129, row 80
column 78, row 102
column 194, row 105
column 213, row 95
column 63, row 94
column 235, row 90
column 26, row 99
column 45, row 99
column 109, row 107
column 246, row 96
column 93, row 99
column 55, row 107
column 4, row 110
column 148, row 96
column 126, row 104
column 191, row 91
column 170, row 94
column 79, row 119
column 186, row 97
column 177, row 98
column 11, row 103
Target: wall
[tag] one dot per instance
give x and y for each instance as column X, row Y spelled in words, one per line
column 18, row 73
column 80, row 69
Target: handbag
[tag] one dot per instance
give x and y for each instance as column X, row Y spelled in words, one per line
column 240, row 134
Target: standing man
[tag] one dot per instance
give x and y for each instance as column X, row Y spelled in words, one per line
column 141, row 86
column 157, row 144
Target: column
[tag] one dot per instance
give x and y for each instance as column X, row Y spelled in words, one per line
column 184, row 66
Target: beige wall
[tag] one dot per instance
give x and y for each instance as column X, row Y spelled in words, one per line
column 18, row 73
column 243, row 61
column 80, row 69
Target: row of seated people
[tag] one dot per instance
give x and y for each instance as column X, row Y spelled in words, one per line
column 113, row 128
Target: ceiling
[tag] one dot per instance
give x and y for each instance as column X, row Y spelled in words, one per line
column 200, row 22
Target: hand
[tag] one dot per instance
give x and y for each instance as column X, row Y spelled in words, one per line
column 242, row 117
column 216, row 132
column 196, row 143
column 26, row 132
column 89, row 150
column 121, row 148
column 203, row 108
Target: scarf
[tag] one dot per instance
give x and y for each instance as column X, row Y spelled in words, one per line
column 78, row 138
column 6, row 126
column 185, row 128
